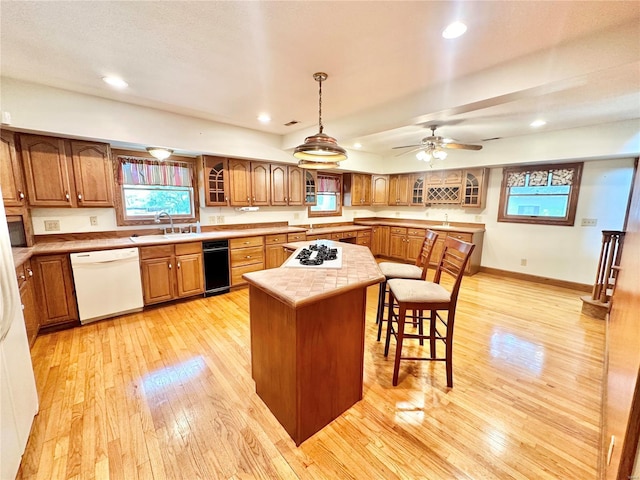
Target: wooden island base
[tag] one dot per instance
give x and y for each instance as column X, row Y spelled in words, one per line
column 307, row 362
column 307, row 338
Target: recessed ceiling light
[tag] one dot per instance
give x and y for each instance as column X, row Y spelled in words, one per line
column 537, row 123
column 115, row 82
column 357, row 145
column 264, row 118
column 454, row 30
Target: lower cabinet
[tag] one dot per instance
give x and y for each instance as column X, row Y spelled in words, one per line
column 28, row 299
column 380, row 240
column 398, row 243
column 473, row 266
column 274, row 254
column 171, row 271
column 247, row 255
column 364, row 238
column 56, row 296
column 415, row 239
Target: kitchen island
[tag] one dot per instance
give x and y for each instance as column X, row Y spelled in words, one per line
column 307, row 337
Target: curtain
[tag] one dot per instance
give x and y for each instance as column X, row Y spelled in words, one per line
column 145, row 171
column 328, row 184
column 540, row 178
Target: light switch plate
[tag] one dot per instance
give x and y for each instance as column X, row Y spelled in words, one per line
column 589, row 222
column 52, row 225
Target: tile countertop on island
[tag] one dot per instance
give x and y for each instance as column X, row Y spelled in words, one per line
column 297, row 287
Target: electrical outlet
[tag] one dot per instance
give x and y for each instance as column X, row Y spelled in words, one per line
column 523, row 262
column 220, row 219
column 52, row 225
column 296, row 216
column 426, row 213
column 479, row 218
column 398, row 214
column 212, row 220
column 93, row 220
column 589, row 222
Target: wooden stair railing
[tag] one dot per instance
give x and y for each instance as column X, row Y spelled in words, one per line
column 598, row 304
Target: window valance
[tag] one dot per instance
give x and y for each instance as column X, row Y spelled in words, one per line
column 146, row 171
column 328, row 184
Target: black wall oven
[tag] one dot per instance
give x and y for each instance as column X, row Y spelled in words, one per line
column 216, row 267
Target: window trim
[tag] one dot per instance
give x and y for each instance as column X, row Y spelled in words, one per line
column 338, row 212
column 122, row 220
column 569, row 220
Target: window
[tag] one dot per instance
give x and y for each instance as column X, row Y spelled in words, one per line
column 328, row 198
column 542, row 194
column 149, row 186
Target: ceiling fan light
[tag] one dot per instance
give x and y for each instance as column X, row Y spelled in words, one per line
column 424, row 156
column 159, row 152
column 439, row 154
column 320, row 148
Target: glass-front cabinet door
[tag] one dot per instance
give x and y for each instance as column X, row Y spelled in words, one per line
column 216, row 181
column 310, row 180
column 417, row 189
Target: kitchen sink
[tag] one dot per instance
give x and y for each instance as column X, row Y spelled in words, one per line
column 168, row 236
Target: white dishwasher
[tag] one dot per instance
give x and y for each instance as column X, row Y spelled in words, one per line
column 107, row 283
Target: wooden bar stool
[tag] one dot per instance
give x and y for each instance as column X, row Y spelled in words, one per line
column 419, row 296
column 418, row 271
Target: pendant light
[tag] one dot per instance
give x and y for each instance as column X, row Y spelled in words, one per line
column 319, row 148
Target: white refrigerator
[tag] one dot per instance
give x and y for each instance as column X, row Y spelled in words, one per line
column 18, row 395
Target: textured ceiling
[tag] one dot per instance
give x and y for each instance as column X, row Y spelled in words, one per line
column 390, row 71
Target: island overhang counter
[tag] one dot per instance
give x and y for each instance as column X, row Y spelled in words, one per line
column 307, row 337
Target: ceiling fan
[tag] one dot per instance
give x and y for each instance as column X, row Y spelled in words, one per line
column 432, row 147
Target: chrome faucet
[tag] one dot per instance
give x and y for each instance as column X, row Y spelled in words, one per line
column 164, row 214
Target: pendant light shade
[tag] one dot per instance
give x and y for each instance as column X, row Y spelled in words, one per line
column 319, row 148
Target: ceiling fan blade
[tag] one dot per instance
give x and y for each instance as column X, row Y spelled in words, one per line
column 461, row 146
column 420, row 147
column 407, row 146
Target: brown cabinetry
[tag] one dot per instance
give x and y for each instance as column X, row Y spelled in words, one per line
column 67, row 173
column 310, row 192
column 26, row 285
column 399, row 189
column 247, row 255
column 380, row 240
column 398, row 243
column 286, row 185
column 363, row 237
column 417, row 187
column 379, row 190
column 54, row 289
column 249, row 183
column 475, row 187
column 357, row 189
column 11, row 179
column 444, row 187
column 216, row 181
column 274, row 254
column 171, row 271
column 473, row 266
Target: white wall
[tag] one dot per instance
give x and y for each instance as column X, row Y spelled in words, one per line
column 567, row 253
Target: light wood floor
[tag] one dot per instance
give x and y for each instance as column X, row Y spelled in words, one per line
column 168, row 394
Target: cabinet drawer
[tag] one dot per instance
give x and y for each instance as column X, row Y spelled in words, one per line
column 296, row 237
column 366, row 241
column 275, row 239
column 337, row 236
column 245, row 242
column 465, row 237
column 246, row 256
column 158, row 251
column 319, row 237
column 364, row 233
column 237, row 272
column 188, row 248
column 399, row 230
column 416, row 232
column 350, row 234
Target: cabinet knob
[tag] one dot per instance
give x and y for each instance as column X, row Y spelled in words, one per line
column 67, row 196
column 248, row 256
column 29, row 272
column 248, row 199
column 178, row 264
column 254, row 199
column 80, row 196
column 21, row 195
column 170, row 266
column 22, row 277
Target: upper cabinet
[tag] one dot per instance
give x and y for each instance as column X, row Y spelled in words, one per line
column 399, row 189
column 286, row 185
column 357, row 189
column 67, row 173
column 249, row 183
column 310, row 192
column 11, row 180
column 379, row 190
column 417, row 189
column 93, row 174
column 475, row 187
column 216, row 181
column 443, row 187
